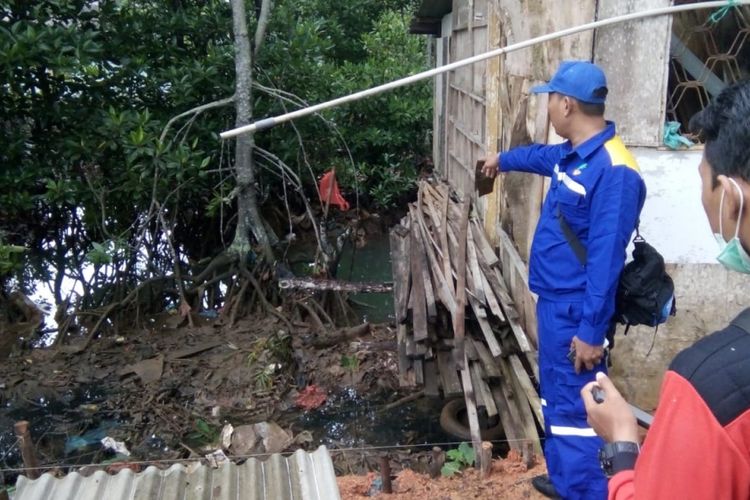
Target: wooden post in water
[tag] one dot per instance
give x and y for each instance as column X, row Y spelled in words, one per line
column 26, row 446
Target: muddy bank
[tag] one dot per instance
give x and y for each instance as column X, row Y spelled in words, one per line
column 166, row 391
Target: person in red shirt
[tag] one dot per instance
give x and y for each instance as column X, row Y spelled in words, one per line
column 698, row 446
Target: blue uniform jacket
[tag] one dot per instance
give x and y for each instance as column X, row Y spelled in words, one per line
column 600, row 192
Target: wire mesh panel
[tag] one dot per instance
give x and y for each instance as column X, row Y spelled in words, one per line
column 709, row 51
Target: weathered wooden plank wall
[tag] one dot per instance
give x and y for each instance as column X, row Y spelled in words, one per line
column 465, row 94
column 486, row 107
column 523, row 118
column 513, row 117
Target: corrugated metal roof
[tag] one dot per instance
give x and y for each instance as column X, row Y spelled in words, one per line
column 301, row 476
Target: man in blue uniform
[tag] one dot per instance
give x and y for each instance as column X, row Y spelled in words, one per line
column 596, row 192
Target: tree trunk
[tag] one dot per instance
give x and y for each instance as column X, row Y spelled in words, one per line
column 248, row 215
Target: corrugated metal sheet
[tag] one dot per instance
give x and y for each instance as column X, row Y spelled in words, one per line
column 301, row 476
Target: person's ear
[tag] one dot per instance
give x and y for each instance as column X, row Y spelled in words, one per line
column 732, row 200
column 567, row 106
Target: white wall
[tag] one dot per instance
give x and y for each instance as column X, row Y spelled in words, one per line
column 708, row 295
column 673, row 220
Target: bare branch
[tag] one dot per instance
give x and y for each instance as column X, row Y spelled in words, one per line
column 287, row 171
column 168, row 231
column 284, row 96
column 195, row 111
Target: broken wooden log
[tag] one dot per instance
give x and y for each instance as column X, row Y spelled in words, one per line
column 317, row 285
column 399, row 238
column 343, row 335
column 459, row 323
column 527, row 387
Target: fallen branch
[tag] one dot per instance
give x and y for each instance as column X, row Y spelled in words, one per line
column 342, row 336
column 402, row 401
column 335, row 285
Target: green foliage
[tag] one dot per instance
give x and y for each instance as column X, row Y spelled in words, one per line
column 204, row 432
column 342, row 52
column 460, row 458
column 350, row 362
column 105, row 253
column 89, row 87
column 99, row 254
column 10, row 258
column 270, row 353
column 264, row 378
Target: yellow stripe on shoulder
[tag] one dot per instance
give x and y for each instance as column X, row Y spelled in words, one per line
column 619, row 154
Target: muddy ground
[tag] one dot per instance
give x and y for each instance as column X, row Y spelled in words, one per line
column 509, row 479
column 166, row 390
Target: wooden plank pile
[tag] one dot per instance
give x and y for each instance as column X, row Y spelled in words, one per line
column 458, row 329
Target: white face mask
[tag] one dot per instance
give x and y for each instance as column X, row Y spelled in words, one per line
column 732, row 255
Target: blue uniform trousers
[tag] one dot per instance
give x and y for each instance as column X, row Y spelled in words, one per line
column 571, row 446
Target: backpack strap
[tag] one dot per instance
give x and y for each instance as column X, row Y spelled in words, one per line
column 572, row 239
column 742, row 321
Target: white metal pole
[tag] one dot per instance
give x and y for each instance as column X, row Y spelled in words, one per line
column 273, row 121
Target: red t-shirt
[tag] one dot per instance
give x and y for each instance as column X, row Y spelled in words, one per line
column 699, row 444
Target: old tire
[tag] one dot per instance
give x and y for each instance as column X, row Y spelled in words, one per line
column 453, row 420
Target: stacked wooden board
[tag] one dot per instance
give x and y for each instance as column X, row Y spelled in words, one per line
column 458, row 329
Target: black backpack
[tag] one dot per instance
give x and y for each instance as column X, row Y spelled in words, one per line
column 645, row 293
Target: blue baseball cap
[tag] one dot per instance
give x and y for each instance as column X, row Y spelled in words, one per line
column 582, row 80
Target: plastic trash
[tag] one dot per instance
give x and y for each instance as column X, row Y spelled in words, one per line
column 672, row 137
column 216, row 458
column 116, row 446
column 89, row 438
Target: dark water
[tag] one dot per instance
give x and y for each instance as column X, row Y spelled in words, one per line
column 70, row 429
column 370, row 263
column 351, row 420
column 67, row 429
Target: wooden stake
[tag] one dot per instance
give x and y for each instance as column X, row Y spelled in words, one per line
column 385, row 474
column 486, row 458
column 437, row 462
column 27, row 449
column 528, row 455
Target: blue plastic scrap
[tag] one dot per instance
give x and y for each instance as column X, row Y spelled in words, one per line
column 672, row 137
